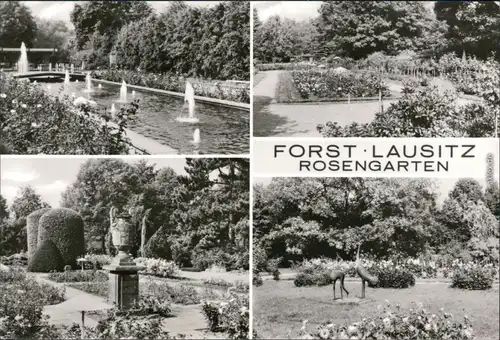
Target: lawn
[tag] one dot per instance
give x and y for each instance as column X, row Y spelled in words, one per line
column 280, row 307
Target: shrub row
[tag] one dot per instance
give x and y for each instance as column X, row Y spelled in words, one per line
column 237, row 92
column 317, row 84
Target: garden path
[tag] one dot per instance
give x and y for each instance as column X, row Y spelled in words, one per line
column 69, row 312
column 267, row 86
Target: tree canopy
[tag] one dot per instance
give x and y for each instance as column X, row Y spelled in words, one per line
column 17, row 25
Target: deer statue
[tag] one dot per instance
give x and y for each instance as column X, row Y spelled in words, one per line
column 143, row 231
column 364, row 275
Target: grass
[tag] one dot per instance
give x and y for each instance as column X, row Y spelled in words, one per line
column 258, row 77
column 280, row 307
column 285, row 89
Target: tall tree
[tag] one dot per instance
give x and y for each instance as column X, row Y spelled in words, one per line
column 17, row 24
column 359, row 28
column 27, row 201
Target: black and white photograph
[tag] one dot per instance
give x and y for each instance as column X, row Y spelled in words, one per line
column 124, row 248
column 125, row 77
column 375, row 258
column 376, row 68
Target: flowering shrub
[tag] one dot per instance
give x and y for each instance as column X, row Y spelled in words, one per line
column 392, row 277
column 158, row 267
column 238, row 92
column 229, row 316
column 33, row 122
column 329, row 84
column 9, row 276
column 97, row 260
column 473, row 276
column 21, row 308
column 397, row 324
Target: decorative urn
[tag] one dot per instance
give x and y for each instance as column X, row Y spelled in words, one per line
column 121, row 237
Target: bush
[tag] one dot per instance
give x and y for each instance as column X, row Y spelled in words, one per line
column 79, row 276
column 304, row 279
column 390, row 277
column 158, row 267
column 238, row 92
column 316, row 84
column 397, row 324
column 33, row 122
column 257, row 280
column 15, row 260
column 158, row 246
column 32, row 221
column 473, row 277
column 229, row 316
column 10, row 276
column 65, row 228
column 47, row 258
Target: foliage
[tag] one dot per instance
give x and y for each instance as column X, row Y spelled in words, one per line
column 10, row 276
column 97, row 260
column 19, row 260
column 257, row 280
column 32, row 221
column 27, row 201
column 158, row 246
column 18, row 24
column 46, row 258
column 391, row 277
column 79, row 276
column 21, row 308
column 28, row 129
column 53, row 34
column 211, row 42
column 64, row 227
column 158, row 267
column 397, row 324
column 230, row 316
column 174, row 293
column 330, row 84
column 173, row 82
column 261, row 262
column 473, row 276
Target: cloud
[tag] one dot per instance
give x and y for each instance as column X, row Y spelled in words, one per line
column 19, row 176
column 51, row 192
column 9, row 192
column 298, row 10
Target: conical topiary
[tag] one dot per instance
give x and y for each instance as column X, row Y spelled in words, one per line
column 47, row 258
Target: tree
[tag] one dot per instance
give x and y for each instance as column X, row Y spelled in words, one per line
column 54, row 34
column 492, row 198
column 4, row 212
column 467, row 190
column 358, row 28
column 27, row 201
column 473, row 26
column 17, row 24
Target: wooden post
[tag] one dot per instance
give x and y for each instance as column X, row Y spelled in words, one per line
column 83, row 324
column 381, row 105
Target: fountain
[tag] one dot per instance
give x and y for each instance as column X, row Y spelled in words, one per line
column 83, row 66
column 73, row 95
column 76, row 81
column 133, row 93
column 66, row 77
column 49, row 87
column 22, row 64
column 196, row 136
column 72, row 68
column 113, row 111
column 50, row 67
column 189, row 99
column 88, row 83
column 99, row 86
column 123, row 92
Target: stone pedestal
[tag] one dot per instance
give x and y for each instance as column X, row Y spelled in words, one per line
column 123, row 281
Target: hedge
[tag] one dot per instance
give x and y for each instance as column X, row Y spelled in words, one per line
column 47, row 258
column 32, row 222
column 65, row 228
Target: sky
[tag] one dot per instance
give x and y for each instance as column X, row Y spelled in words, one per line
column 298, row 10
column 60, row 10
column 444, row 185
column 51, row 176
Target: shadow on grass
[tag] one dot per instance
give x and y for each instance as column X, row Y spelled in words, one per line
column 264, row 122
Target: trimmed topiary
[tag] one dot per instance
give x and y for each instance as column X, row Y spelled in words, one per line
column 65, row 228
column 32, row 222
column 47, row 258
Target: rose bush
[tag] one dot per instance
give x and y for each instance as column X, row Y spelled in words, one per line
column 416, row 323
column 158, row 267
column 330, row 84
column 33, row 122
column 238, row 92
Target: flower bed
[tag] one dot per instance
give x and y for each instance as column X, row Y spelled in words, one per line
column 158, row 267
column 230, row 316
column 396, row 323
column 473, row 276
column 14, row 260
column 33, row 122
column 329, row 84
column 225, row 90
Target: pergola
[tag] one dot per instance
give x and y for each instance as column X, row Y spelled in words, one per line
column 18, row 50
